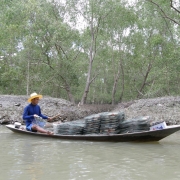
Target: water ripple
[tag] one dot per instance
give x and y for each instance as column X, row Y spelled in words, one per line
column 24, row 157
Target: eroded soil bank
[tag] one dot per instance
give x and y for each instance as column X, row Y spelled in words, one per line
column 159, row 109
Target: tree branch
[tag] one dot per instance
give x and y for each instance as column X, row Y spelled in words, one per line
column 165, row 16
column 58, row 47
column 174, row 7
column 93, row 78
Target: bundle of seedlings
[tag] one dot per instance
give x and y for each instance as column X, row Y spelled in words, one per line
column 138, row 124
column 110, row 122
column 69, row 128
column 92, row 124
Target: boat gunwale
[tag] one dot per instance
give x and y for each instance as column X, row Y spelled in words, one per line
column 145, row 136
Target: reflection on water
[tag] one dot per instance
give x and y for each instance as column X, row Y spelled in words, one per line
column 36, row 158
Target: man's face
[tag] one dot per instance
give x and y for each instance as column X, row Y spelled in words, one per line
column 35, row 101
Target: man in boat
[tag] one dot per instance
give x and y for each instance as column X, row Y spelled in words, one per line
column 31, row 112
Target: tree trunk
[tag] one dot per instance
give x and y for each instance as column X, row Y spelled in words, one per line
column 88, row 82
column 91, row 58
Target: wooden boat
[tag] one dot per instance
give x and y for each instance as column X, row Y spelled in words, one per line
column 144, row 136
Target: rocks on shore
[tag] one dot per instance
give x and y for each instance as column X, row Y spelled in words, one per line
column 11, row 108
column 158, row 109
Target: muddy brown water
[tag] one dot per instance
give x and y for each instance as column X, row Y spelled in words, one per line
column 36, row 158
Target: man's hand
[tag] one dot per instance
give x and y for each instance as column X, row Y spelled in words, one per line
column 36, row 116
column 49, row 119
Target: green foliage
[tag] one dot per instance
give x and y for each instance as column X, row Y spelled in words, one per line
column 46, row 47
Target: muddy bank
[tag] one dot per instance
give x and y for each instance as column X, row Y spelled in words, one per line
column 159, row 109
column 164, row 108
column 11, row 108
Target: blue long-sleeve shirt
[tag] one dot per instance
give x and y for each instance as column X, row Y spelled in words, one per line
column 29, row 111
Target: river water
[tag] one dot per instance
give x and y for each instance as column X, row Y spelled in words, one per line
column 25, row 157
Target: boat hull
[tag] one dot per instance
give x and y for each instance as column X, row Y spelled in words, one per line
column 144, row 136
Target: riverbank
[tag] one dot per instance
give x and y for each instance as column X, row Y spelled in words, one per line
column 11, row 108
column 158, row 109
